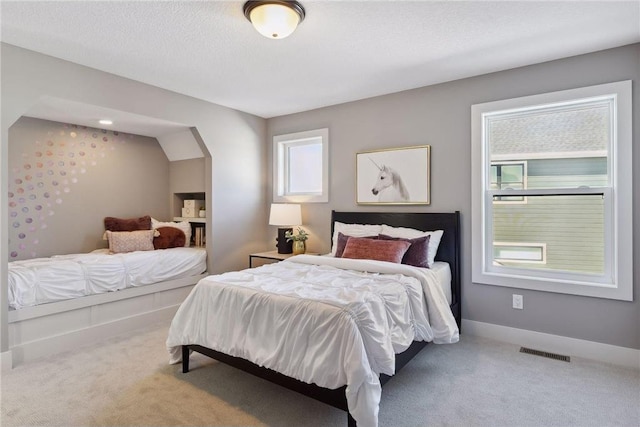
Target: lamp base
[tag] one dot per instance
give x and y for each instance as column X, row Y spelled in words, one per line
column 283, row 246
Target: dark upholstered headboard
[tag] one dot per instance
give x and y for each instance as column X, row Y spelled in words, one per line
column 448, row 251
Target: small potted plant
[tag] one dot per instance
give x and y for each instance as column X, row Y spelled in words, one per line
column 299, row 245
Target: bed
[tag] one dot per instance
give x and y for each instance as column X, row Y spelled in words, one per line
column 376, row 315
column 63, row 277
column 65, row 301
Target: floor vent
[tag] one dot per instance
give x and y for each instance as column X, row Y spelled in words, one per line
column 545, row 354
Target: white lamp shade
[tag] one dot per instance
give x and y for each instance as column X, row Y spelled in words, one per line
column 274, row 21
column 285, row 214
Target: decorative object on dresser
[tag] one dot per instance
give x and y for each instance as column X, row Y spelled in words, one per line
column 285, row 216
column 395, row 176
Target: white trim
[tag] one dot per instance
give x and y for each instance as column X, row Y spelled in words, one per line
column 551, row 155
column 280, row 160
column 48, row 329
column 573, row 347
column 29, row 351
column 6, row 361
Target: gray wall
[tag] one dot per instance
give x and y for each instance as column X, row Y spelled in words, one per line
column 440, row 115
column 185, row 176
column 64, row 179
column 234, row 139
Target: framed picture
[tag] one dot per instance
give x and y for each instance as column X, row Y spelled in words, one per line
column 397, row 176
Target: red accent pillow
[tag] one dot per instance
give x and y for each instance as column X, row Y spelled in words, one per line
column 378, row 250
column 128, row 224
column 170, row 237
column 342, row 242
column 418, row 253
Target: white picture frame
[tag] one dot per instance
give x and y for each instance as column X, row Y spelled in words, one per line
column 394, row 176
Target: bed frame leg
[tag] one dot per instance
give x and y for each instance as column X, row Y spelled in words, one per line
column 185, row 359
column 351, row 422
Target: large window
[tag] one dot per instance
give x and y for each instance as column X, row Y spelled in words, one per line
column 301, row 167
column 553, row 171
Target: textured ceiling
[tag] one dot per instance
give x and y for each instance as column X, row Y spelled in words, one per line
column 343, row 51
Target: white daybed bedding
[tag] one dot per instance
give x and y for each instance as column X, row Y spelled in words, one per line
column 61, row 277
column 323, row 320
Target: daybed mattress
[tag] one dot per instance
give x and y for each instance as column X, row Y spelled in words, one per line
column 323, row 320
column 61, row 277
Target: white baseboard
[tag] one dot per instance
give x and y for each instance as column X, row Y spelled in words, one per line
column 607, row 353
column 67, row 341
column 6, row 361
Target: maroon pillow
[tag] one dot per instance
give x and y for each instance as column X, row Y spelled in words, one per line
column 128, row 224
column 342, row 242
column 170, row 237
column 417, row 254
column 378, row 250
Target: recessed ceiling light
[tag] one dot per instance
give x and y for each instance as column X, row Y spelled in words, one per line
column 105, row 122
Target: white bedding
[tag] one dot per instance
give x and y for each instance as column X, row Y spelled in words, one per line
column 61, row 277
column 443, row 274
column 323, row 320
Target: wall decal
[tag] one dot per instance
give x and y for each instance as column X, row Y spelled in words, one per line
column 49, row 170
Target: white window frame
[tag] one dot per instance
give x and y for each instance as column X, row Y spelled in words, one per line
column 281, row 143
column 617, row 281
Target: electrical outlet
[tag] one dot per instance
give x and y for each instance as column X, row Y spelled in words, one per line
column 518, row 301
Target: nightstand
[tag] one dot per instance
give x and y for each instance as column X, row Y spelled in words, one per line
column 273, row 256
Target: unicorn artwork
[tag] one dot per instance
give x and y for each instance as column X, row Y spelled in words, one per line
column 389, row 186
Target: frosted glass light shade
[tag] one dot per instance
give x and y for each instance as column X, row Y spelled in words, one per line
column 285, row 214
column 274, row 20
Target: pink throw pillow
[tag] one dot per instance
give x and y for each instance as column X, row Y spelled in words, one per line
column 378, row 250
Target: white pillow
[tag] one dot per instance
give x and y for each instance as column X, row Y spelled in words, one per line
column 185, row 226
column 354, row 230
column 412, row 233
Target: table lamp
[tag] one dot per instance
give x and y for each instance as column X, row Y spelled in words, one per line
column 285, row 216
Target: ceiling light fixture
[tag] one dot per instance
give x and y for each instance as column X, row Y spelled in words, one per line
column 105, row 122
column 274, row 19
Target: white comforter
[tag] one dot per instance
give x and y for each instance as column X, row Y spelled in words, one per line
column 42, row 280
column 323, row 320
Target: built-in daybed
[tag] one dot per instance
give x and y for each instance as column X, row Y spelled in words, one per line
column 64, row 301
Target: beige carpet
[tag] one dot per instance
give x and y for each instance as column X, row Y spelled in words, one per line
column 477, row 382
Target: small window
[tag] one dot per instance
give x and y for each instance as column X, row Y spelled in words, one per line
column 516, row 252
column 509, row 176
column 301, row 167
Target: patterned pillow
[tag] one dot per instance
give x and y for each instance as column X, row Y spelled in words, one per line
column 378, row 250
column 417, row 254
column 129, row 241
column 128, row 224
column 170, row 237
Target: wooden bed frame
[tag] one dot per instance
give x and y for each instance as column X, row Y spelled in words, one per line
column 448, row 251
